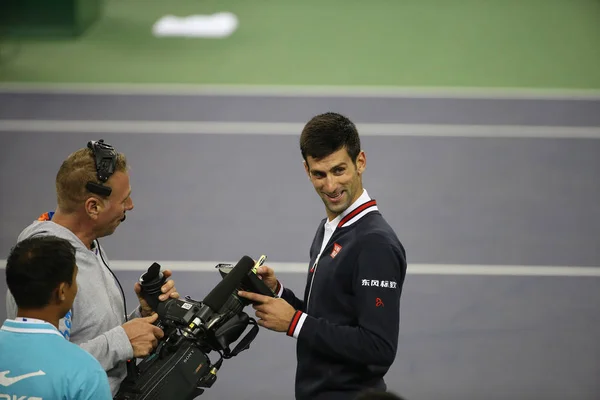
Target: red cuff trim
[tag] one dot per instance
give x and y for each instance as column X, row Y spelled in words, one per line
column 294, row 323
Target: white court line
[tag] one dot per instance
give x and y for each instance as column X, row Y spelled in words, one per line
column 284, row 128
column 413, row 269
column 383, row 91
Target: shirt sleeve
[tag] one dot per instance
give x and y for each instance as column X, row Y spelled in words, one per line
column 289, row 296
column 378, row 280
column 109, row 348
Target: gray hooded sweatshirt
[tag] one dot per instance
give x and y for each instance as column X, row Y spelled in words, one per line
column 94, row 322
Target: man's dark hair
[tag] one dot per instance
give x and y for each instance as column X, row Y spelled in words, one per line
column 377, row 395
column 327, row 133
column 36, row 267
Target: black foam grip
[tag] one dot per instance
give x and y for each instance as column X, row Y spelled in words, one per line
column 220, row 293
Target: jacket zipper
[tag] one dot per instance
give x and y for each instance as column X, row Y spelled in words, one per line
column 314, row 268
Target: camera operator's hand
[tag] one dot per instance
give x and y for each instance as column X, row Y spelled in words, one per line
column 168, row 290
column 268, row 276
column 142, row 335
column 273, row 313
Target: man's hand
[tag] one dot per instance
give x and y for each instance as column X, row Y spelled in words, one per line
column 142, row 335
column 168, row 291
column 273, row 313
column 268, row 276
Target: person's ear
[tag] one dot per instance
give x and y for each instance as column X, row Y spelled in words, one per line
column 62, row 292
column 361, row 162
column 59, row 294
column 93, row 207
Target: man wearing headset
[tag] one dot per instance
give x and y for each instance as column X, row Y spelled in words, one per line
column 94, row 195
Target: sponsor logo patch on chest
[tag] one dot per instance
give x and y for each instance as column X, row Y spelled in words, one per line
column 336, row 250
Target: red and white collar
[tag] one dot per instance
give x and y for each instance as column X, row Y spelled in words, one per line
column 362, row 206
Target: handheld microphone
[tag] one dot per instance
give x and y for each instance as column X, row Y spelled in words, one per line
column 217, row 297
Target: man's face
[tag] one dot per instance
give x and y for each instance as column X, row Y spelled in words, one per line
column 117, row 204
column 336, row 179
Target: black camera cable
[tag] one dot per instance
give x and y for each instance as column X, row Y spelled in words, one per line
column 116, row 279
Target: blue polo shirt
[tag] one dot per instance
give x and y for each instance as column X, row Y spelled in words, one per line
column 36, row 361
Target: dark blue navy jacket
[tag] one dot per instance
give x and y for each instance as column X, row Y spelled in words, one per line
column 347, row 324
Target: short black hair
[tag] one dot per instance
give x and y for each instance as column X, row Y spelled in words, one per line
column 36, row 267
column 377, row 395
column 327, row 133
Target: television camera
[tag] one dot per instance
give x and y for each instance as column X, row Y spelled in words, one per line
column 180, row 367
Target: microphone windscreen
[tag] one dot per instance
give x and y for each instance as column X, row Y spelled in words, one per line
column 221, row 293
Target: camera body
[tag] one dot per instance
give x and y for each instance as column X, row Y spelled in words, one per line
column 180, row 367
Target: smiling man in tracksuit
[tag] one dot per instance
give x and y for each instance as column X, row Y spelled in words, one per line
column 347, row 324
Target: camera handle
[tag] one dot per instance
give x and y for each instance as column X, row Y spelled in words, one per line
column 244, row 343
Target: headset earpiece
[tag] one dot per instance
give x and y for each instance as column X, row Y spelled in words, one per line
column 105, row 159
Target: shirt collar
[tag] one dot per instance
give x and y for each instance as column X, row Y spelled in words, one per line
column 30, row 325
column 361, row 206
